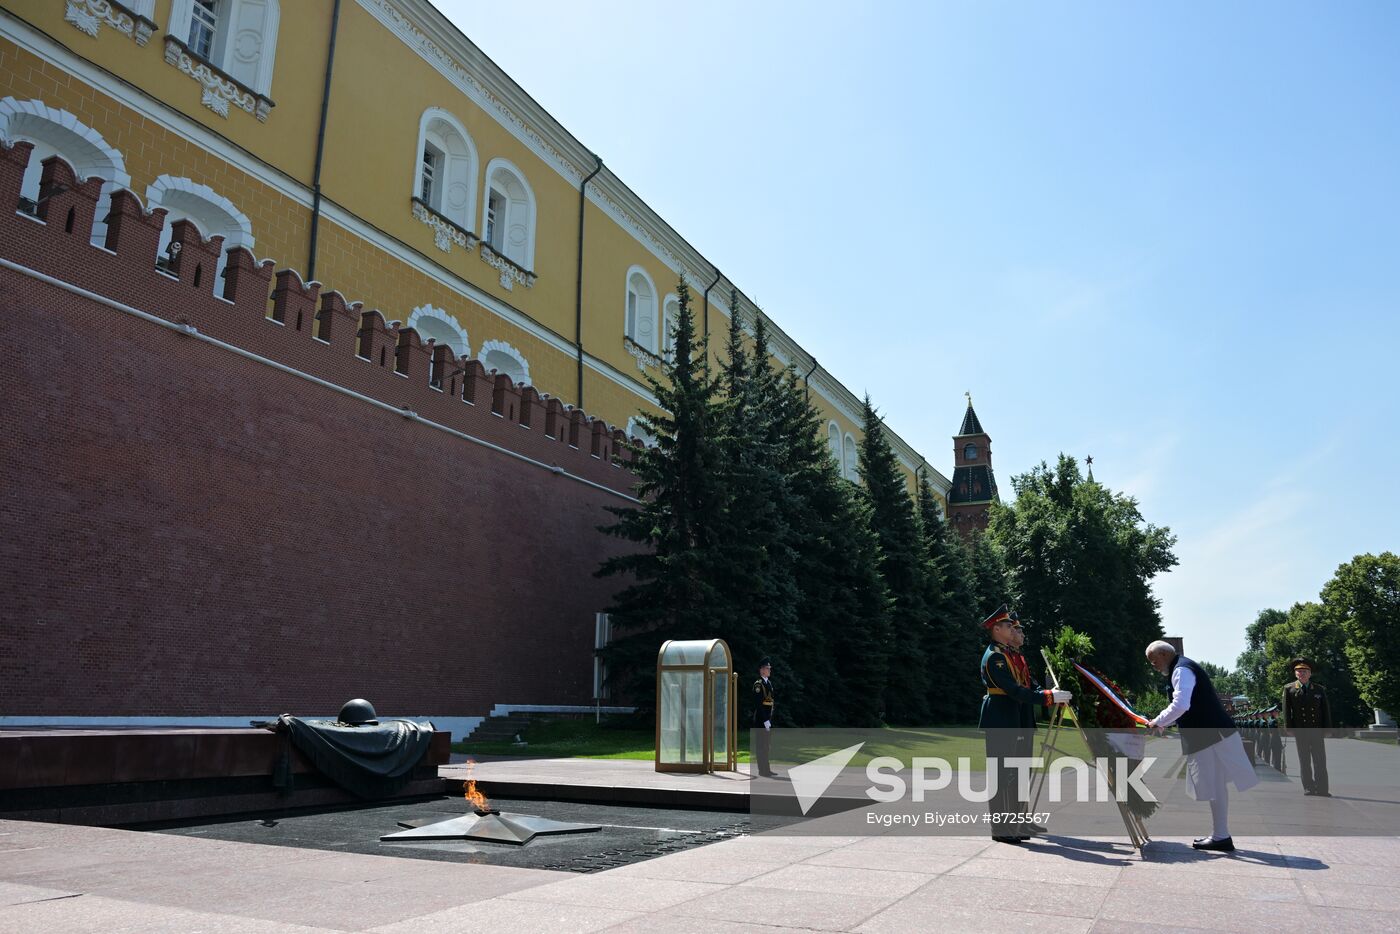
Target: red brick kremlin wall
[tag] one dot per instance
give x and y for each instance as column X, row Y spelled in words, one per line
column 188, row 532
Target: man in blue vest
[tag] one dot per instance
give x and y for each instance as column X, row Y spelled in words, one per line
column 1215, row 754
column 1008, row 720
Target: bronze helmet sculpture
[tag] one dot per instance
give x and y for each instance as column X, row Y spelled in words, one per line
column 358, row 712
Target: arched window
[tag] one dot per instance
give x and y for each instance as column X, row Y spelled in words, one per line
column 970, row 452
column 445, row 168
column 239, row 37
column 833, row 441
column 670, row 324
column 640, row 317
column 850, row 456
column 58, row 133
column 503, row 358
column 635, row 430
column 508, row 219
column 438, row 325
column 210, row 211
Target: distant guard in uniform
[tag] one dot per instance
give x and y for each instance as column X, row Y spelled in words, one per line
column 1307, row 718
column 1275, row 743
column 763, row 708
column 1008, row 719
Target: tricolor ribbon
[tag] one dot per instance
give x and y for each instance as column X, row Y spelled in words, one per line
column 1108, row 692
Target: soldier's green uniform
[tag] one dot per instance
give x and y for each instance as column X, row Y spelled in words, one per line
column 1275, row 744
column 1008, row 719
column 1008, row 702
column 1307, row 715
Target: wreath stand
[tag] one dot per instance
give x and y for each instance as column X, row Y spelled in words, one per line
column 1137, row 830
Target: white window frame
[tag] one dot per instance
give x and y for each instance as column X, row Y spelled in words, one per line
column 204, row 17
column 182, row 15
column 492, row 226
column 428, row 170
column 436, row 128
column 670, row 325
column 833, row 445
column 638, row 307
column 850, row 458
column 496, row 169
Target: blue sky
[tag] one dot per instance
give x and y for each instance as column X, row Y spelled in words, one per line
column 1167, row 235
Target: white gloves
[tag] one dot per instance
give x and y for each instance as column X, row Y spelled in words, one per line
column 768, row 724
column 1061, row 697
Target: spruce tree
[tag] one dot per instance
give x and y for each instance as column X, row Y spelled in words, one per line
column 904, row 567
column 755, row 568
column 674, row 588
column 954, row 615
column 841, row 628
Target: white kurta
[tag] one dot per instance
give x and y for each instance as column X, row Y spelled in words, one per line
column 1208, row 769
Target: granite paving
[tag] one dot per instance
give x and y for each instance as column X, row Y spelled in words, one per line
column 61, row 878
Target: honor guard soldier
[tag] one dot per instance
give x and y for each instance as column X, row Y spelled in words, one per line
column 1275, row 743
column 763, row 718
column 1008, row 719
column 1307, row 718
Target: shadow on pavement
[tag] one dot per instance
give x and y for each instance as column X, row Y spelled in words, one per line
column 1171, row 851
column 1082, row 851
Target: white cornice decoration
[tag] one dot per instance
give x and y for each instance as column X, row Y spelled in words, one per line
column 219, row 91
column 510, row 272
column 89, row 16
column 645, row 358
column 396, row 22
column 444, row 234
column 628, row 222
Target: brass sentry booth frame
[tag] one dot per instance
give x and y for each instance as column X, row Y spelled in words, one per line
column 696, row 691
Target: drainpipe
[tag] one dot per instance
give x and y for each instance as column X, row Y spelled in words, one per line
column 321, row 145
column 706, row 318
column 807, row 381
column 578, row 282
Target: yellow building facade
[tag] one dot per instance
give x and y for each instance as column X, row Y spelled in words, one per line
column 369, row 145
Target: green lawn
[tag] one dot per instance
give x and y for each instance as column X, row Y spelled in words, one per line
column 623, row 739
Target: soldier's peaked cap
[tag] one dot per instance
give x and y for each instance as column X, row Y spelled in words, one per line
column 1301, row 663
column 1000, row 614
column 765, row 662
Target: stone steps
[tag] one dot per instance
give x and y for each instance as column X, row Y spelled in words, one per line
column 499, row 729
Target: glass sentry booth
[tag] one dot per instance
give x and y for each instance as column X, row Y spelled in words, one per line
column 696, row 713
